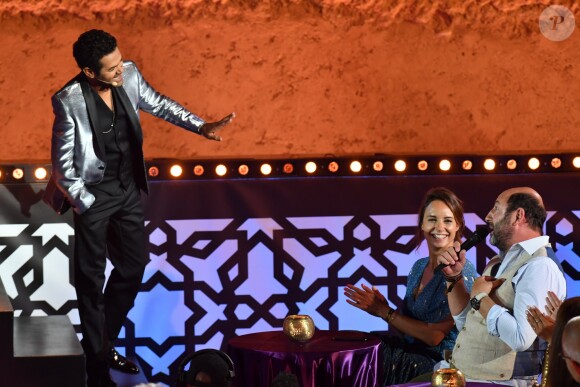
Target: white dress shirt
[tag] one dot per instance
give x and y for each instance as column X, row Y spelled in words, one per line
column 531, row 284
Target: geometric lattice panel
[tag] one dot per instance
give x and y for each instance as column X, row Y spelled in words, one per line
column 211, row 278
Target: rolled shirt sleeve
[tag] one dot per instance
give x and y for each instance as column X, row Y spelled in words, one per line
column 469, row 274
column 513, row 328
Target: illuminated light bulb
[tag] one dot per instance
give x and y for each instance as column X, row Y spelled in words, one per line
column 310, row 167
column 176, row 170
column 243, row 169
column 378, row 166
column 467, row 165
column 511, row 164
column 400, row 165
column 534, row 163
column 266, row 169
column 576, row 162
column 221, row 170
column 153, row 171
column 198, row 170
column 288, row 168
column 356, row 166
column 445, row 165
column 40, row 173
column 556, row 162
column 422, row 165
column 489, row 164
column 333, row 166
column 18, row 173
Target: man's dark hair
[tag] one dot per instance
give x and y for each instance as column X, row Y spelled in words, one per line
column 91, row 46
column 284, row 379
column 535, row 211
column 216, row 365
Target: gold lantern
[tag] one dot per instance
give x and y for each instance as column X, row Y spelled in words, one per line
column 448, row 377
column 299, row 327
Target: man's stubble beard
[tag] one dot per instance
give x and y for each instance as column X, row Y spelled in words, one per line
column 502, row 234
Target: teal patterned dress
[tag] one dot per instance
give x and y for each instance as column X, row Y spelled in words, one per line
column 406, row 357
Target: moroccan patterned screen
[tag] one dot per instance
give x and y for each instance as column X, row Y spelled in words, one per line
column 230, row 257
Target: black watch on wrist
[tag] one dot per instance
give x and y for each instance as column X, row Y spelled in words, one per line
column 476, row 301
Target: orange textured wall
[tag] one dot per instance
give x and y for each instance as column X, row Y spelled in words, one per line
column 310, row 77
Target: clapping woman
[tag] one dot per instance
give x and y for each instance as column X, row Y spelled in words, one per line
column 424, row 320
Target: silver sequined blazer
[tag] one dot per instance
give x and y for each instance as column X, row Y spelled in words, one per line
column 78, row 156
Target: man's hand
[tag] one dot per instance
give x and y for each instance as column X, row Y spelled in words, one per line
column 454, row 259
column 485, row 284
column 209, row 129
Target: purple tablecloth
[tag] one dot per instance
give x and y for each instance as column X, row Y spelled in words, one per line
column 330, row 358
column 428, row 384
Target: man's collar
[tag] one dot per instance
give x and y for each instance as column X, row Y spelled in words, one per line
column 532, row 245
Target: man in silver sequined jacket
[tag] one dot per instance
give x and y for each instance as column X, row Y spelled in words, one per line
column 98, row 169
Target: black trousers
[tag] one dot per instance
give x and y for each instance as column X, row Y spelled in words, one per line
column 113, row 226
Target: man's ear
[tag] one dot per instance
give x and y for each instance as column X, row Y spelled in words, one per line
column 89, row 73
column 520, row 215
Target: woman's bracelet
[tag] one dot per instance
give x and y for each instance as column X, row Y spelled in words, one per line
column 390, row 315
column 453, row 280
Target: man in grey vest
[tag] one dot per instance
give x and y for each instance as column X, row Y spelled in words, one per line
column 494, row 335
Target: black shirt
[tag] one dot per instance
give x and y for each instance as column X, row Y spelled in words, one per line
column 114, row 130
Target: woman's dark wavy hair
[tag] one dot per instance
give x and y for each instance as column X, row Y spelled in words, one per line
column 558, row 374
column 451, row 200
column 91, row 46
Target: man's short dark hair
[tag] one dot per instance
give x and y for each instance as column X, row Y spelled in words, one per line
column 91, row 46
column 215, row 364
column 535, row 211
column 284, row 379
